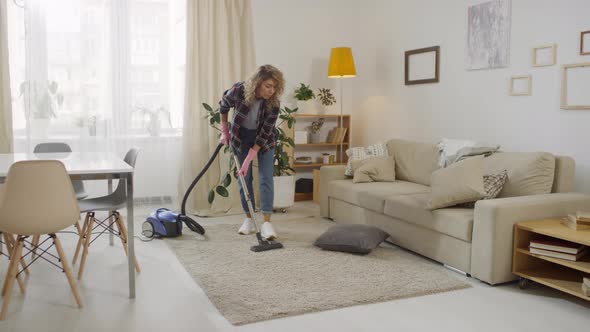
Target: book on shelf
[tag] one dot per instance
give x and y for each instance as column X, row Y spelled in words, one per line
column 553, row 244
column 583, row 217
column 331, row 135
column 336, row 135
column 571, row 222
column 303, row 160
column 341, row 135
column 586, row 281
column 586, row 290
column 557, row 254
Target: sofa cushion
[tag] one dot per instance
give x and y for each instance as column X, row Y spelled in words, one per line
column 460, row 182
column 414, row 161
column 360, row 153
column 352, row 238
column 529, row 173
column 374, row 169
column 455, row 222
column 372, row 195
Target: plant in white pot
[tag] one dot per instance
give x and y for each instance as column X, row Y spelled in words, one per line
column 284, row 180
column 41, row 102
column 327, row 100
column 314, row 130
column 305, row 99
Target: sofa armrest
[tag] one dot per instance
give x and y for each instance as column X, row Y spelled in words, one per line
column 328, row 174
column 493, row 225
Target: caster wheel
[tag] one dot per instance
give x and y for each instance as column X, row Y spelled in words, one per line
column 523, row 283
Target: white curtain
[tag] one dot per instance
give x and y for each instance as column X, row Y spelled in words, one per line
column 102, row 75
column 5, row 97
column 220, row 52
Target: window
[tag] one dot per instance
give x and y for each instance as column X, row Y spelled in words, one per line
column 96, row 62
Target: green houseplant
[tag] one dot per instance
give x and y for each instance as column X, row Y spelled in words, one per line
column 326, row 97
column 304, row 96
column 282, row 165
column 42, row 101
column 304, row 92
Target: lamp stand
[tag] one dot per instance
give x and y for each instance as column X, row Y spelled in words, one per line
column 341, row 122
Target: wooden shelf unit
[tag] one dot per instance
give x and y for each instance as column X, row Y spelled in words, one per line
column 557, row 273
column 333, row 148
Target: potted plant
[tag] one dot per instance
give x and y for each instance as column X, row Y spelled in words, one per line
column 305, row 99
column 284, row 180
column 314, row 130
column 41, row 104
column 151, row 118
column 326, row 98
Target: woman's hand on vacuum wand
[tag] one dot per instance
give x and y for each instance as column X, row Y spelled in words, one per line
column 246, row 164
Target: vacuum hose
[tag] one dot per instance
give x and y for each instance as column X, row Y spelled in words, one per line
column 203, row 171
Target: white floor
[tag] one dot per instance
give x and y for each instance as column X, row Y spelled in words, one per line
column 169, row 300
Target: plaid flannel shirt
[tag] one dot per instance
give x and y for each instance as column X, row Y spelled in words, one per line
column 265, row 136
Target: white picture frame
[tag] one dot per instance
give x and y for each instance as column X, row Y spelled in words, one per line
column 574, row 86
column 544, row 55
column 521, row 85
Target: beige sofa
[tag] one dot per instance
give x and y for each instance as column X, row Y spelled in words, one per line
column 477, row 241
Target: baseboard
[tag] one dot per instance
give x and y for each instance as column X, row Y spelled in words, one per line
column 152, row 200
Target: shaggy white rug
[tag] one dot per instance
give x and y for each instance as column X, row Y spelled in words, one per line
column 248, row 287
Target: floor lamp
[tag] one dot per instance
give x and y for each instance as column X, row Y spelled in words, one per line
column 341, row 66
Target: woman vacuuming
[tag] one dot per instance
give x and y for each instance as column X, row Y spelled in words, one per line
column 256, row 103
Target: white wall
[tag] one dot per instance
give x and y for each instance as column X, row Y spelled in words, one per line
column 297, row 36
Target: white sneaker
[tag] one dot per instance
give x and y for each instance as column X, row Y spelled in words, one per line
column 248, row 227
column 267, row 231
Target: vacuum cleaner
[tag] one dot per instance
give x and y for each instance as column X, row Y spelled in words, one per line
column 263, row 244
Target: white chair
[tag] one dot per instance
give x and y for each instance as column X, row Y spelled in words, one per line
column 110, row 203
column 38, row 199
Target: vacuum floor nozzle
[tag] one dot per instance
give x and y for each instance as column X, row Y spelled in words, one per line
column 266, row 245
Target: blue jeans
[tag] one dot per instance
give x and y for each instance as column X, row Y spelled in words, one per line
column 265, row 173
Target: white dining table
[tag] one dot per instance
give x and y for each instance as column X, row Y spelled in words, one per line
column 89, row 166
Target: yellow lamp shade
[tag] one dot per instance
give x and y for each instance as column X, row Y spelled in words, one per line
column 341, row 63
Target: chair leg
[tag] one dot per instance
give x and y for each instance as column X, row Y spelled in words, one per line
column 86, row 244
column 81, row 234
column 35, row 243
column 10, row 244
column 67, row 270
column 121, row 225
column 10, row 276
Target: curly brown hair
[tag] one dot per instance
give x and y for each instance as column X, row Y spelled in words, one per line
column 260, row 75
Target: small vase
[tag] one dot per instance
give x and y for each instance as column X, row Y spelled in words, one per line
column 315, row 138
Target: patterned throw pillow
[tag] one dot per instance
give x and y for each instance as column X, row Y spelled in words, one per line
column 360, row 153
column 492, row 184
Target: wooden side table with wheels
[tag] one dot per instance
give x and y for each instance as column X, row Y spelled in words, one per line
column 561, row 274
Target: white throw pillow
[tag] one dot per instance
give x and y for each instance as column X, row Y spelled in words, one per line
column 360, row 153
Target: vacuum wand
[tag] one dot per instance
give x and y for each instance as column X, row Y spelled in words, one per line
column 263, row 244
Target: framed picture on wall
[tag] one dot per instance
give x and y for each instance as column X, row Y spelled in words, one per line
column 521, row 85
column 544, row 55
column 585, row 43
column 422, row 65
column 575, row 80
